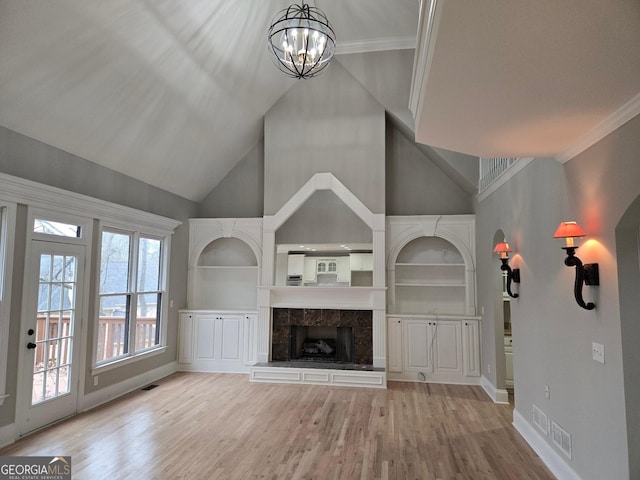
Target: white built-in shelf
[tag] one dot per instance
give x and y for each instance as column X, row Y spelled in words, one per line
column 429, row 272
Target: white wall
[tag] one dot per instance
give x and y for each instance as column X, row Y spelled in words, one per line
column 552, row 334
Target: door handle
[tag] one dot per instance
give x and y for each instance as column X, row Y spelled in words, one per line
column 31, row 345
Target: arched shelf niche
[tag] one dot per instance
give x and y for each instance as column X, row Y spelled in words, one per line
column 431, row 265
column 224, row 264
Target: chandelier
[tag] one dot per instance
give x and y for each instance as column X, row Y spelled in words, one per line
column 301, row 41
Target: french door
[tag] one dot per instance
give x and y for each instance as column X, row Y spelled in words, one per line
column 50, row 353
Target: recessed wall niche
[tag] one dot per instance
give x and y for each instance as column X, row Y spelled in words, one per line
column 226, row 276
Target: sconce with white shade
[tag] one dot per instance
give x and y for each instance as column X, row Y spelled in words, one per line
column 503, row 249
column 585, row 273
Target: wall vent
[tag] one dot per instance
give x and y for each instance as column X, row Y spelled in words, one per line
column 561, row 438
column 540, row 420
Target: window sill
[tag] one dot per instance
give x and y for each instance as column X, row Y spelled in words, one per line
column 121, row 362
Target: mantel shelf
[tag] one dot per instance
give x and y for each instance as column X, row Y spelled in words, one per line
column 405, row 264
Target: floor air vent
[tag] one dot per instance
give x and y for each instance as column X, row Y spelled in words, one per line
column 149, row 387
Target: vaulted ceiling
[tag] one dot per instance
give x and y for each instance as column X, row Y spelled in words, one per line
column 172, row 93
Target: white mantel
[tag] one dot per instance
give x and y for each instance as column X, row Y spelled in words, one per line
column 338, row 298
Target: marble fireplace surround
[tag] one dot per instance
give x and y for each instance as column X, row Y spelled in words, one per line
column 359, row 320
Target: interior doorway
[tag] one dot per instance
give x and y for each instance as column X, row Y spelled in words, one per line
column 503, row 327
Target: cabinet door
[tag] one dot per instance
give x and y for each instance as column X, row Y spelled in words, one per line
column 394, row 344
column 344, row 271
column 447, row 346
column 309, row 270
column 230, row 337
column 250, row 340
column 185, row 338
column 205, row 335
column 416, row 340
column 471, row 347
column 367, row 261
column 295, row 264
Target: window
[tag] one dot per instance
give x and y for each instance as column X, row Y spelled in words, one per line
column 131, row 294
column 49, row 227
column 333, row 267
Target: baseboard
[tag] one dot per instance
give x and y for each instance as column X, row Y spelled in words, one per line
column 8, row 434
column 107, row 394
column 498, row 395
column 552, row 459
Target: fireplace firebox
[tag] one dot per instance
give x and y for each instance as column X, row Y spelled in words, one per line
column 321, row 344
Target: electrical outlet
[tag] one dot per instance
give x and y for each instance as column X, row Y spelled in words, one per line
column 547, row 392
column 598, row 352
column 489, row 368
column 95, row 381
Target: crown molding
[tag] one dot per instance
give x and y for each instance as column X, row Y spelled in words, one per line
column 28, row 192
column 604, row 128
column 375, row 45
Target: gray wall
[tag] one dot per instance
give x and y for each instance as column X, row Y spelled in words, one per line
column 332, row 222
column 25, row 157
column 415, row 185
column 240, row 194
column 328, row 124
column 552, row 335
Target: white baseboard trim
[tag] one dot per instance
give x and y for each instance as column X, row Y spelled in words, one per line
column 107, row 394
column 552, row 459
column 8, row 434
column 498, row 395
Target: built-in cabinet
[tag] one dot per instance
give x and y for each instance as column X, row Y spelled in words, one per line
column 216, row 341
column 433, row 333
column 430, row 348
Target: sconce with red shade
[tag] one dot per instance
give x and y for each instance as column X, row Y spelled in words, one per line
column 512, row 275
column 585, row 273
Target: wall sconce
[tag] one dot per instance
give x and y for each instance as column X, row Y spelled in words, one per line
column 512, row 275
column 585, row 274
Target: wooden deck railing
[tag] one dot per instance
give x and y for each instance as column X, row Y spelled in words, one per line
column 111, row 337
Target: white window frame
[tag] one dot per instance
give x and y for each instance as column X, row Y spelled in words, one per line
column 8, row 213
column 136, row 232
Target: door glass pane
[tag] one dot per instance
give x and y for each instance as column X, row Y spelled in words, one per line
column 54, row 327
column 147, row 320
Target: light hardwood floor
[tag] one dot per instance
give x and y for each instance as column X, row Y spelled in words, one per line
column 220, row 426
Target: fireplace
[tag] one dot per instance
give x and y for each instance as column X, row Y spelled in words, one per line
column 321, row 344
column 322, row 335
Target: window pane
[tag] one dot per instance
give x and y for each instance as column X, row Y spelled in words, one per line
column 147, row 320
column 56, row 228
column 112, row 327
column 114, row 263
column 148, row 265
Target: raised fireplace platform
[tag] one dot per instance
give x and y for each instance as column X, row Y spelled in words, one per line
column 312, row 373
